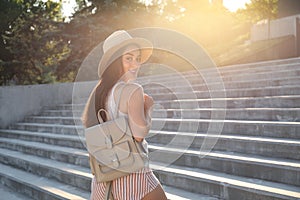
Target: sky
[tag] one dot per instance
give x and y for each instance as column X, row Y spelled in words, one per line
column 68, row 7
column 233, row 5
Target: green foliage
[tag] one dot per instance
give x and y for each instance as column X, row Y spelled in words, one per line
column 92, row 24
column 38, row 46
column 33, row 42
column 258, row 10
column 9, row 10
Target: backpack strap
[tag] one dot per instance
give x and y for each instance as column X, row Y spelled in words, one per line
column 108, row 192
column 99, row 115
column 117, row 107
column 119, row 99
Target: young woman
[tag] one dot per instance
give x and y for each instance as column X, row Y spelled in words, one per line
column 118, row 67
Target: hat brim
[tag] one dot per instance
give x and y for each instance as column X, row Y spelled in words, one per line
column 145, row 46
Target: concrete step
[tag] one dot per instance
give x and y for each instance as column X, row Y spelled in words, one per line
column 64, row 125
column 277, row 170
column 38, row 187
column 254, row 158
column 74, row 175
column 242, row 68
column 64, row 154
column 203, row 78
column 238, row 74
column 263, row 114
column 268, row 68
column 267, row 87
column 290, row 101
column 243, row 102
column 64, row 172
column 153, row 88
column 212, row 75
column 242, row 114
column 268, row 147
column 274, row 129
column 9, row 194
column 178, row 194
column 263, row 146
column 229, row 93
column 269, row 63
column 245, row 165
column 218, row 89
column 256, row 66
column 223, row 185
column 228, row 162
column 49, row 128
column 242, row 144
column 53, row 120
column 252, row 114
column 73, row 141
column 61, row 113
column 191, row 93
column 277, row 129
column 68, row 174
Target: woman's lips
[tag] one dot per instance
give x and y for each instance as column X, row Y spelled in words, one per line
column 133, row 70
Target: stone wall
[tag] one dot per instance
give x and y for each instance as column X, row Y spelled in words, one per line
column 278, row 28
column 18, row 101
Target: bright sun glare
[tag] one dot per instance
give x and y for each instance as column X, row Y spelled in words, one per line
column 233, row 5
column 68, row 7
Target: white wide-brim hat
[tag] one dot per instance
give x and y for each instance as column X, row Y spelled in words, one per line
column 120, row 39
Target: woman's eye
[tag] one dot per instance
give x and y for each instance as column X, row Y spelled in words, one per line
column 129, row 59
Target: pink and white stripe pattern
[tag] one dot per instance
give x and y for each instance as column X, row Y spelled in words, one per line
column 131, row 187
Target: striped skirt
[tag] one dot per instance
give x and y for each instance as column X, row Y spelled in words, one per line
column 131, row 187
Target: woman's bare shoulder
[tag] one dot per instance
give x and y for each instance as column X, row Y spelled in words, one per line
column 129, row 88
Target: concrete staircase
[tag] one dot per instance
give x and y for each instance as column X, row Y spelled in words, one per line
column 255, row 156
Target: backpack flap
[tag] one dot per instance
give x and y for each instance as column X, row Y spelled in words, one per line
column 102, row 135
column 95, row 138
column 108, row 142
column 111, row 159
column 117, row 129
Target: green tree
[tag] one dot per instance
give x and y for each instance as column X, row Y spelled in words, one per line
column 258, row 10
column 90, row 25
column 34, row 42
column 9, row 11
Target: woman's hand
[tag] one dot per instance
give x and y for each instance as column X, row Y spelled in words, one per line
column 148, row 102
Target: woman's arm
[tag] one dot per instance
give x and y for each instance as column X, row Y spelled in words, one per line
column 139, row 111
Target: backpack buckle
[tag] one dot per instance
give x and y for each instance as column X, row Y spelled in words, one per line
column 108, row 142
column 115, row 162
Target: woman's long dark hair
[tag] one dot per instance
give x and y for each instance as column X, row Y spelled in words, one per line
column 98, row 97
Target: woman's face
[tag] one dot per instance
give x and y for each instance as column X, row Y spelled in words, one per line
column 131, row 60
